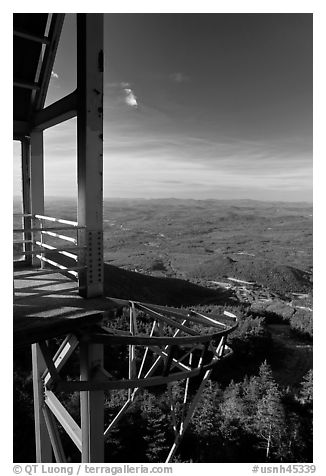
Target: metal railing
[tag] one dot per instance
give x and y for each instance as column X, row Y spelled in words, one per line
column 39, row 231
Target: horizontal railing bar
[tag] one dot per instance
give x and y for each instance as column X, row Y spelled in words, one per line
column 115, row 339
column 26, row 230
column 57, row 265
column 64, row 251
column 47, row 218
column 48, row 251
column 62, row 237
column 68, row 248
column 57, row 220
column 21, row 214
column 82, row 385
column 18, row 242
column 45, row 272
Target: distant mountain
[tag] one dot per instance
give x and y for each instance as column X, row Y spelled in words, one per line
column 276, row 277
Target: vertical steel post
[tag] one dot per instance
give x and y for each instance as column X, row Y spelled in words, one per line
column 37, row 176
column 90, row 150
column 36, row 171
column 42, row 438
column 91, row 405
column 26, row 192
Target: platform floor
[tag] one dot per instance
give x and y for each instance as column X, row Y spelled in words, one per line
column 49, row 305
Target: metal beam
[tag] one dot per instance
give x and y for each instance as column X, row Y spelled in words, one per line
column 60, row 111
column 90, row 150
column 21, row 129
column 91, row 405
column 42, row 439
column 37, row 173
column 25, row 84
column 65, row 350
column 118, row 416
column 137, row 389
column 160, row 317
column 59, row 228
column 64, row 418
column 26, row 189
column 29, row 36
column 48, row 60
column 175, row 362
column 49, row 362
column 37, row 177
column 54, row 436
column 97, row 385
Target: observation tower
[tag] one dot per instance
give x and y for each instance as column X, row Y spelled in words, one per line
column 59, row 306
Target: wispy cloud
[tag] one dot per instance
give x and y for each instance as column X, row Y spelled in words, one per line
column 179, row 77
column 117, row 84
column 130, row 98
column 124, row 89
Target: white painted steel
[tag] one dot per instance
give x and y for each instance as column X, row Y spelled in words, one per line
column 57, row 220
column 64, row 418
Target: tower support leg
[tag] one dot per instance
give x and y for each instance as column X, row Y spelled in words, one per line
column 42, row 439
column 91, row 405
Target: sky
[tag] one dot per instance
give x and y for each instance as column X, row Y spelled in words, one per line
column 195, row 106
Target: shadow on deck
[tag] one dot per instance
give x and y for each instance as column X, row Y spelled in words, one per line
column 49, row 305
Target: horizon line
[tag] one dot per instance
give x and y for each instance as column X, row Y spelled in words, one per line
column 69, row 197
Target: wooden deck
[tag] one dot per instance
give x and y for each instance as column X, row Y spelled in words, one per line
column 48, row 305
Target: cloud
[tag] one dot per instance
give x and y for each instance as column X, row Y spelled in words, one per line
column 123, row 87
column 179, row 77
column 117, row 84
column 130, row 98
column 54, row 75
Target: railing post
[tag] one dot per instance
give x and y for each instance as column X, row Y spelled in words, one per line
column 41, row 241
column 26, row 189
column 90, row 150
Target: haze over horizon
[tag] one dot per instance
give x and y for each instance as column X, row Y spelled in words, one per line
column 203, row 106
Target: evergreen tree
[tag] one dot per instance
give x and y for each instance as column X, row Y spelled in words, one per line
column 232, row 408
column 270, row 421
column 205, row 427
column 306, row 393
column 270, row 416
column 158, row 434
